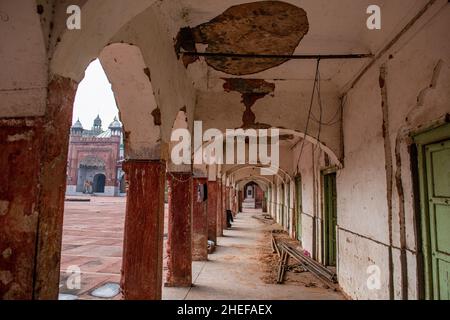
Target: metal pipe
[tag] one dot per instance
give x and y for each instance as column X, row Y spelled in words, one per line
column 279, row 56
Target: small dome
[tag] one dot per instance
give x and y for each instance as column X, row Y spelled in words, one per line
column 115, row 124
column 98, row 121
column 77, row 125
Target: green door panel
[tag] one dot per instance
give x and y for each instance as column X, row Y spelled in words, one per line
column 442, row 229
column 288, row 204
column 441, row 172
column 444, row 280
column 437, row 167
column 298, row 209
column 330, row 219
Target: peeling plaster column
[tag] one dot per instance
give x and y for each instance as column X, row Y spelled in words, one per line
column 224, row 205
column 58, row 120
column 199, row 224
column 212, row 210
column 240, row 198
column 21, row 143
column 272, row 202
column 179, row 243
column 34, row 157
column 144, row 223
column 19, row 157
column 228, row 191
column 235, row 200
column 220, row 225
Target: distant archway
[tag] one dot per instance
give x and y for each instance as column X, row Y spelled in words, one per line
column 249, row 190
column 99, row 183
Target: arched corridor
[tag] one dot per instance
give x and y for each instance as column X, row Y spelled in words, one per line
column 331, row 117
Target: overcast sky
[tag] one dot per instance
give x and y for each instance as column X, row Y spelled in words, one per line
column 94, row 96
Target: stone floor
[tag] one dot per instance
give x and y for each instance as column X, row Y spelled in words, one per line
column 92, row 242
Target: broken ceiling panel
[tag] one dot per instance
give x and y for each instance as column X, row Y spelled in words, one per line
column 251, row 90
column 266, row 27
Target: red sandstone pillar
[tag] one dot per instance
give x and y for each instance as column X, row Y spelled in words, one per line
column 229, row 207
column 212, row 211
column 143, row 238
column 219, row 210
column 33, row 158
column 233, row 201
column 224, row 207
column 179, row 252
column 53, row 165
column 19, row 192
column 199, row 224
column 240, row 198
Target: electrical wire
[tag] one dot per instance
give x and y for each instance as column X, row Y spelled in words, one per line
column 309, row 112
column 334, row 119
column 319, row 99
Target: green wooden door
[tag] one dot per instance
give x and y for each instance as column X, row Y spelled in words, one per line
column 287, row 206
column 298, row 207
column 437, row 176
column 330, row 219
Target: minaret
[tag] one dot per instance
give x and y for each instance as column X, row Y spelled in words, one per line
column 77, row 129
column 115, row 127
column 97, row 127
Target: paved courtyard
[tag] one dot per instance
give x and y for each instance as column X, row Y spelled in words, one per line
column 92, row 242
